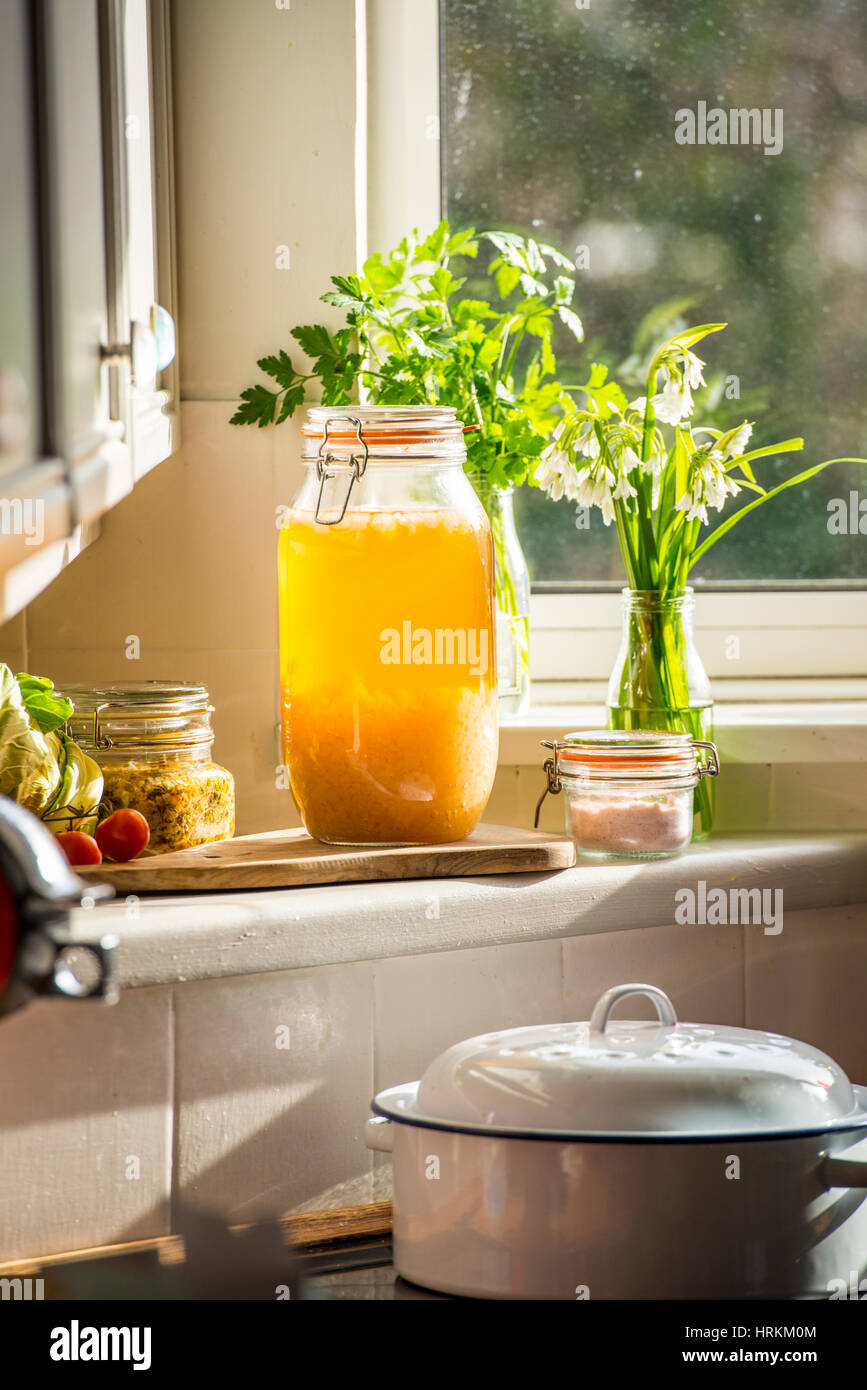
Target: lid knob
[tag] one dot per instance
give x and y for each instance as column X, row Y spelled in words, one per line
column 603, row 1007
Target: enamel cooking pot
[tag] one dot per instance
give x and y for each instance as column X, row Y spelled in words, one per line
column 616, row 1159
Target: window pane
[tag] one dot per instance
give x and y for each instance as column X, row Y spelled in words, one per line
column 559, row 122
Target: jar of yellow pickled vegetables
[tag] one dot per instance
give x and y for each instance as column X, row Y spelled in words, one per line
column 387, row 647
column 153, row 741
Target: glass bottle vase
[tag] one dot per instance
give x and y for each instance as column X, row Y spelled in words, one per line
column 659, row 682
column 512, row 587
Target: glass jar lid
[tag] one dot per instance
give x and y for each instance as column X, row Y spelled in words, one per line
column 627, row 754
column 623, row 1078
column 382, row 433
column 140, row 715
column 342, row 441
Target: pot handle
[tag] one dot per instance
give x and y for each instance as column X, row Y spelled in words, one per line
column 379, row 1134
column 846, row 1172
column 604, row 1005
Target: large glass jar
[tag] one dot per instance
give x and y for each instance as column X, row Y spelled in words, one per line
column 387, row 635
column 153, row 741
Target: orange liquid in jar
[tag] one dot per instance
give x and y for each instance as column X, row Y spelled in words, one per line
column 388, row 736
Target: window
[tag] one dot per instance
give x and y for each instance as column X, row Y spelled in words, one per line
column 559, row 120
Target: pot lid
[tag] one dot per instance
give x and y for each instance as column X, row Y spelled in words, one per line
column 615, row 1077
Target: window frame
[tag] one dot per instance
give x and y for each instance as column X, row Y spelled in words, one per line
column 402, row 60
column 75, row 476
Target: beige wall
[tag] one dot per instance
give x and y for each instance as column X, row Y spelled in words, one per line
column 265, row 131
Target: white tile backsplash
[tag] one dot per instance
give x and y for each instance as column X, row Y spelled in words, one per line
column 805, row 796
column 700, row 968
column 425, row 1003
column 85, row 1124
column 188, row 560
column 811, row 983
column 263, row 1128
column 13, row 642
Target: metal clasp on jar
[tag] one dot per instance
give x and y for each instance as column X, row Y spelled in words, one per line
column 552, row 772
column 705, row 767
column 710, row 766
column 354, row 463
column 100, row 740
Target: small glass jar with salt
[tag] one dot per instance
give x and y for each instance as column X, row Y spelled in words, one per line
column 628, row 793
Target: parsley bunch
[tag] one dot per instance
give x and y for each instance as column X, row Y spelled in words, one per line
column 417, row 333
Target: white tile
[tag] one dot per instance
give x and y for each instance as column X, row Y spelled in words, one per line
column 700, row 968
column 85, row 1103
column 236, row 302
column 810, row 796
column 504, row 806
column 264, row 1129
column 810, row 982
column 743, row 797
column 13, row 642
column 188, row 560
column 427, row 1002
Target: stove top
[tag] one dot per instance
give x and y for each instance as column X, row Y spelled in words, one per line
column 362, row 1272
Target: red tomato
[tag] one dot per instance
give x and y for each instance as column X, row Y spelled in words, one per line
column 79, row 848
column 123, row 835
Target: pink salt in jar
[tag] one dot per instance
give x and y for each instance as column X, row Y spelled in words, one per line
column 628, row 793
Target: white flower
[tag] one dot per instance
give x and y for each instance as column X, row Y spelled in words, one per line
column 671, row 406
column 604, row 478
column 681, row 372
column 630, row 459
column 595, row 490
column 711, row 486
column 675, row 403
column 555, row 471
column 653, row 465
column 694, row 508
column 621, row 439
column 624, row 488
column 739, row 441
column 586, row 442
column 715, row 493
column 692, row 366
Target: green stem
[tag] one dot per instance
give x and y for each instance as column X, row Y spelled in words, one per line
column 630, row 560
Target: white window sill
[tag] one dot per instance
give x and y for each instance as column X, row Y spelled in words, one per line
column 746, row 732
column 178, row 938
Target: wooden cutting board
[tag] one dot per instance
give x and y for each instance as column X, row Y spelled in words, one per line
column 290, row 858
